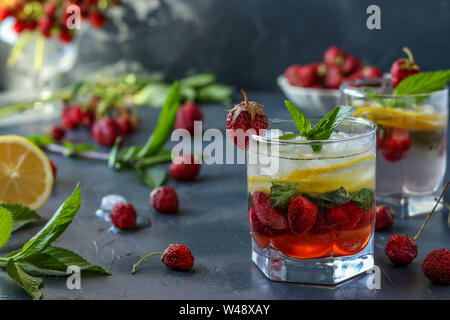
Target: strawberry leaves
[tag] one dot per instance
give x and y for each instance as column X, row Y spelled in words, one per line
column 322, row 130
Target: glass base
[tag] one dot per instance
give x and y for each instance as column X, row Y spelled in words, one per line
column 409, row 206
column 327, row 271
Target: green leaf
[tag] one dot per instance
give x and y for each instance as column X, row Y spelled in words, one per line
column 55, row 261
column 21, row 215
column 162, row 156
column 154, row 94
column 281, row 193
column 325, row 127
column 6, row 224
column 363, row 198
column 187, row 93
column 199, row 80
column 153, row 177
column 422, row 83
column 40, row 141
column 301, row 121
column 113, row 161
column 29, row 283
column 288, row 136
column 165, row 124
column 54, row 227
column 215, row 93
column 333, row 198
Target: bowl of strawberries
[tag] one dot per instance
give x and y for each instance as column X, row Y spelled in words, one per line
column 315, row 86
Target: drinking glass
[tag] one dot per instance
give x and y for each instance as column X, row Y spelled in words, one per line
column 311, row 203
column 411, row 142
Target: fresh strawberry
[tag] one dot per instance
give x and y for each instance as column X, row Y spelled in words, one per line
column 106, row 131
column 4, row 12
column 333, row 77
column 384, row 218
column 123, row 216
column 371, row 72
column 97, row 19
column 350, row 65
column 57, row 133
column 246, row 116
column 125, row 123
column 302, row 215
column 184, row 168
column 396, row 144
column 401, row 250
column 66, row 119
column 436, row 266
column 403, row 68
column 334, row 56
column 164, row 199
column 187, row 114
column 77, row 114
column 345, row 216
column 65, row 35
column 274, row 218
column 302, row 76
column 260, row 228
column 19, row 26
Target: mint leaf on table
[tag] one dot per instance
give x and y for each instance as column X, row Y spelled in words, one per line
column 281, row 193
column 6, row 225
column 54, row 227
column 21, row 215
column 29, row 283
column 422, row 83
column 301, row 121
column 153, row 177
column 333, row 198
column 40, row 141
column 363, row 198
column 165, row 124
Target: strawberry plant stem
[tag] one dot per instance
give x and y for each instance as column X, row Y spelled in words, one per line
column 145, row 257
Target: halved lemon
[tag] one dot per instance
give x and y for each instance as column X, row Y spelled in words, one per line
column 26, row 176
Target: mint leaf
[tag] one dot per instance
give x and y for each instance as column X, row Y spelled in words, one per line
column 29, row 283
column 40, row 141
column 301, row 121
column 6, row 224
column 21, row 215
column 281, row 193
column 165, row 123
column 113, row 161
column 363, row 198
column 288, row 136
column 325, row 127
column 162, row 156
column 422, row 83
column 153, row 177
column 54, row 227
column 333, row 198
column 71, row 148
column 199, row 80
column 215, row 93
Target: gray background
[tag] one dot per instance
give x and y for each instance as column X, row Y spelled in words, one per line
column 248, row 43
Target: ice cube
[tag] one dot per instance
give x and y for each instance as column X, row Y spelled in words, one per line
column 109, row 201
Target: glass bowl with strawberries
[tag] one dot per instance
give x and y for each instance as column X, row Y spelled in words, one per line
column 411, row 138
column 311, row 197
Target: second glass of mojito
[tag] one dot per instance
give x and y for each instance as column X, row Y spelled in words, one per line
column 311, row 203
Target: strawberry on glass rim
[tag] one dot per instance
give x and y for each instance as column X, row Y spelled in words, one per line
column 403, row 68
column 247, row 115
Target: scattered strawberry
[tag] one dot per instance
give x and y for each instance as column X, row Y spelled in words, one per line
column 333, row 77
column 334, row 57
column 396, row 145
column 436, row 266
column 54, row 168
column 384, row 218
column 274, row 218
column 97, row 19
column 164, row 199
column 175, row 257
column 184, row 168
column 401, row 250
column 77, row 114
column 106, row 131
column 345, row 216
column 302, row 214
column 245, row 116
column 403, row 68
column 66, row 119
column 187, row 114
column 57, row 133
column 125, row 123
column 123, row 216
column 371, row 72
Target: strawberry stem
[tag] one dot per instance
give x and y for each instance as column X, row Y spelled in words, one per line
column 245, row 96
column 410, row 55
column 432, row 211
column 133, row 271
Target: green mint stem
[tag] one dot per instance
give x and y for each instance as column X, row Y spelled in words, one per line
column 144, row 258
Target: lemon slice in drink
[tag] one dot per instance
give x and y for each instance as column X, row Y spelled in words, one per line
column 402, row 119
column 352, row 175
column 26, row 176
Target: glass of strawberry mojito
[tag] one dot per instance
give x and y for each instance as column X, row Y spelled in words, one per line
column 311, row 202
column 411, row 142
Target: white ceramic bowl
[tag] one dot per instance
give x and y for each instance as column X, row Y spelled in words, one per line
column 311, row 100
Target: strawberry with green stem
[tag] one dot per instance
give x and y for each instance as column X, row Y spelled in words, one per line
column 403, row 68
